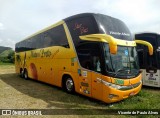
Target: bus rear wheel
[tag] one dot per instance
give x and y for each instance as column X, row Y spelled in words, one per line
column 69, row 85
column 21, row 73
column 25, row 74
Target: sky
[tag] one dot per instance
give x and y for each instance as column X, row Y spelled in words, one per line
column 22, row 18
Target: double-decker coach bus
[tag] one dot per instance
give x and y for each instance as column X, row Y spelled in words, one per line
column 150, row 64
column 91, row 54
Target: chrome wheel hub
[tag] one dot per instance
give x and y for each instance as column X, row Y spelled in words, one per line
column 69, row 84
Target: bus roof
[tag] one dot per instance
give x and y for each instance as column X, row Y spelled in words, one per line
column 102, row 24
column 78, row 16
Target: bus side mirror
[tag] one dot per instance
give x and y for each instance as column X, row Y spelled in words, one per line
column 112, row 43
column 112, row 48
column 102, row 38
column 150, row 47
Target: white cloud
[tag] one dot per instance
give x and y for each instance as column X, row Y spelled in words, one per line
column 1, row 41
column 22, row 18
column 7, row 43
column 1, row 26
column 139, row 15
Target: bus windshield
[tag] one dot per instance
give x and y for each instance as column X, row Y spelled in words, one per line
column 124, row 64
column 151, row 61
column 148, row 61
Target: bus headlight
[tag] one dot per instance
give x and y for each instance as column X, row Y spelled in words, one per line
column 123, row 88
column 115, row 86
column 111, row 85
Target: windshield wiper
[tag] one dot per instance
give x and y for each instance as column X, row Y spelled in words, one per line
column 135, row 71
column 122, row 69
column 111, row 72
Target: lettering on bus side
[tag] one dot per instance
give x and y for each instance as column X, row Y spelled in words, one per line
column 81, row 28
column 35, row 54
column 45, row 53
column 42, row 53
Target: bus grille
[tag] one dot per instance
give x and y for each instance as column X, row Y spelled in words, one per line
column 123, row 88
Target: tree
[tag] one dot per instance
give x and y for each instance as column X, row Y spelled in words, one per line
column 11, row 57
column 7, row 56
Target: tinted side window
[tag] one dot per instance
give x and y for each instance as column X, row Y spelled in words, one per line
column 52, row 37
column 56, row 37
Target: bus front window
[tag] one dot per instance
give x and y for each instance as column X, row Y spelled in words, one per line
column 124, row 64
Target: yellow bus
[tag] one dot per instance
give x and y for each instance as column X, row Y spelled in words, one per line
column 91, row 54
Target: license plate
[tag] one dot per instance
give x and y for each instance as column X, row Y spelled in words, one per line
column 131, row 94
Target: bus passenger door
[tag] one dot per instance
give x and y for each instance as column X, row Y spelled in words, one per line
column 97, row 86
column 89, row 55
column 90, row 84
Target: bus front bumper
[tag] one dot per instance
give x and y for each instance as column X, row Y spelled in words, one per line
column 111, row 95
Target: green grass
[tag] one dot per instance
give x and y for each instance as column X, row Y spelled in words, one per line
column 146, row 99
column 2, row 63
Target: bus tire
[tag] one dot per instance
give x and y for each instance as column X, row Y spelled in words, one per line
column 69, row 85
column 21, row 73
column 25, row 74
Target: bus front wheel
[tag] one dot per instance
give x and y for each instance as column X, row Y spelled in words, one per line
column 69, row 85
